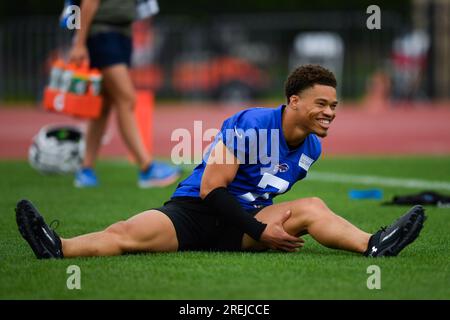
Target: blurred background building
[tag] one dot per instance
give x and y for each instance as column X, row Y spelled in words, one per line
column 242, row 50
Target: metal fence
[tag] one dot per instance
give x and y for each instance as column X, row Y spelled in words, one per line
column 227, row 57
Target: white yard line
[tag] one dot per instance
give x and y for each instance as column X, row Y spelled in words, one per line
column 379, row 180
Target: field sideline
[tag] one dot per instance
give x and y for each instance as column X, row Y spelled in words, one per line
column 421, row 272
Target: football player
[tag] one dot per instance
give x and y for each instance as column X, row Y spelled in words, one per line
column 226, row 204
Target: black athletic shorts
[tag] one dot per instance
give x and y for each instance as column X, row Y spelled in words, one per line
column 198, row 229
column 109, row 48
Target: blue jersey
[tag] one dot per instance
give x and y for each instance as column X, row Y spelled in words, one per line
column 268, row 166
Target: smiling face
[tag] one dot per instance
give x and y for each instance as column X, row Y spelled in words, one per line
column 314, row 109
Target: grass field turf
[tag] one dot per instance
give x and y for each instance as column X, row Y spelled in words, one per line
column 420, row 272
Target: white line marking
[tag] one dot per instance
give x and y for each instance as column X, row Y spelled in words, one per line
column 379, row 180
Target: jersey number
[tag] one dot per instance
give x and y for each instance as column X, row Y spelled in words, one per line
column 267, row 180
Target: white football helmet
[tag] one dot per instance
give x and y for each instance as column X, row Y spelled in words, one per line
column 57, row 149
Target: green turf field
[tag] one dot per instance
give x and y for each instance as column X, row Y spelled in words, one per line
column 421, row 271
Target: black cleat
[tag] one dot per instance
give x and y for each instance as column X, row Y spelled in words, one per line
column 389, row 241
column 44, row 241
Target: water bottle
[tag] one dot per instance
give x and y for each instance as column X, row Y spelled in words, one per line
column 66, row 78
column 79, row 82
column 55, row 74
column 95, row 78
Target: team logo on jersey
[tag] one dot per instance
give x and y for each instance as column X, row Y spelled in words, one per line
column 305, row 162
column 283, row 167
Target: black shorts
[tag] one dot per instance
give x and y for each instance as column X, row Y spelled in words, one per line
column 109, row 48
column 200, row 230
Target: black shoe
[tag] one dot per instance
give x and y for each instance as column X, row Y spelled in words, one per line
column 389, row 241
column 44, row 241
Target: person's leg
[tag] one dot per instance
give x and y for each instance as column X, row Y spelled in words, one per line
column 119, row 87
column 312, row 216
column 94, row 134
column 149, row 231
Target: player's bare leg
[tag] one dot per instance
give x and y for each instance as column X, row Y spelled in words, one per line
column 312, row 216
column 94, row 134
column 118, row 84
column 149, row 231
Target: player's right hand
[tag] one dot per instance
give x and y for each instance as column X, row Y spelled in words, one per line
column 79, row 55
column 275, row 237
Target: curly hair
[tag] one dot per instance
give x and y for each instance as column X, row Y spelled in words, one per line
column 307, row 76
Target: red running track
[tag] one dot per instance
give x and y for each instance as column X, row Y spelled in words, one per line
column 423, row 129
